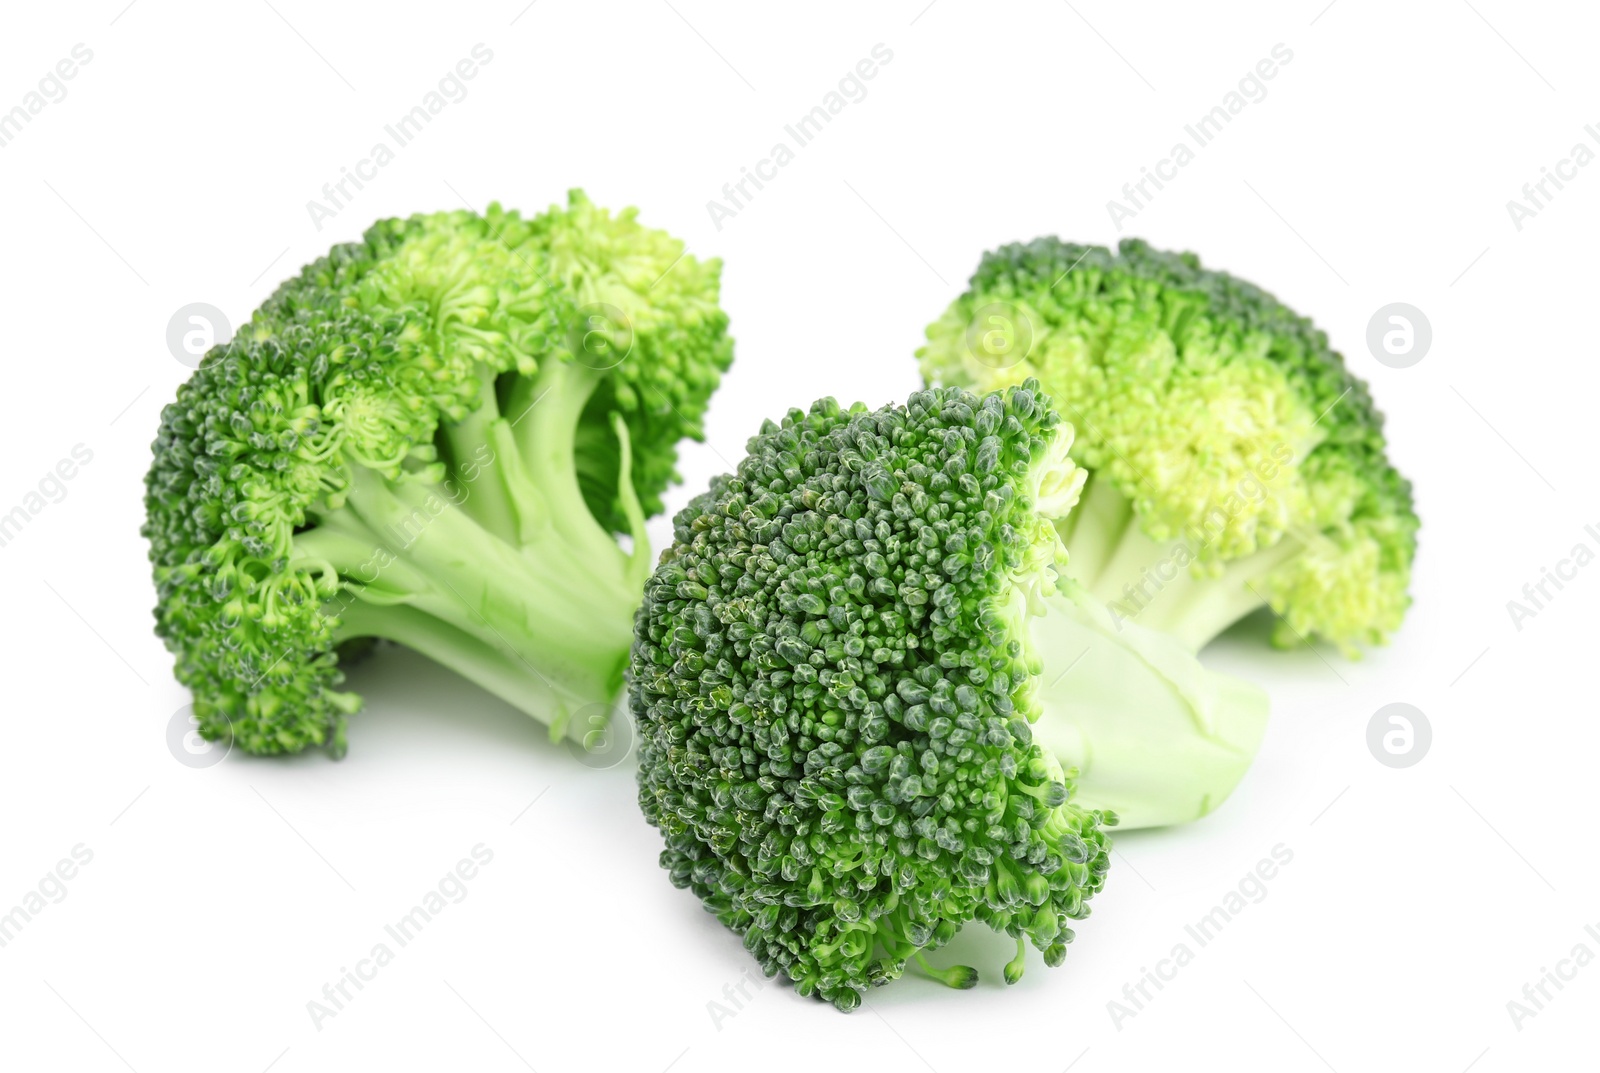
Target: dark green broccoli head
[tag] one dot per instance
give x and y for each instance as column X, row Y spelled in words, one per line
column 1191, row 391
column 342, row 466
column 833, row 682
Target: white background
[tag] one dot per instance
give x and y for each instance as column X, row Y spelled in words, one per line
column 220, row 900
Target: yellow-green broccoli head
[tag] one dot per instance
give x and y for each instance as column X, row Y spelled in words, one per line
column 1225, row 421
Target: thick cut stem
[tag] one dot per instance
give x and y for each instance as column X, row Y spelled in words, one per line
column 1155, row 737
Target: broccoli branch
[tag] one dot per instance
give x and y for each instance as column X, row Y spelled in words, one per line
column 1158, row 584
column 496, row 569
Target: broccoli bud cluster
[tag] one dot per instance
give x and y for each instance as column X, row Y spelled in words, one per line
column 1223, row 434
column 833, row 685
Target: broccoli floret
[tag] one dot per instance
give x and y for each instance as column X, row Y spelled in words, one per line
column 431, row 436
column 1234, row 462
column 834, row 681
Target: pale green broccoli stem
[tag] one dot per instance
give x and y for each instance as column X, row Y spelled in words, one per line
column 543, row 415
column 546, row 626
column 494, row 667
column 469, row 446
column 1094, row 528
column 1146, row 581
column 536, row 434
column 1196, row 609
column 500, row 571
column 1154, row 736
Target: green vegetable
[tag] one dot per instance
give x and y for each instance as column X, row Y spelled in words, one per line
column 834, row 681
column 431, row 436
column 1234, row 464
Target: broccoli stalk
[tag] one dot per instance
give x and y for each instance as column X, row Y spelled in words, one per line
column 1154, row 736
column 1148, row 732
column 1173, row 587
column 497, row 570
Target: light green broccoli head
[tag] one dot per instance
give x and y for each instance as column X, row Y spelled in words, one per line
column 429, row 435
column 1219, row 418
